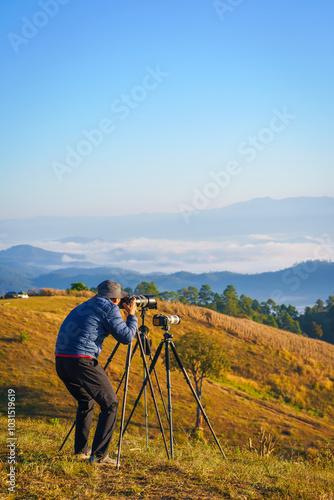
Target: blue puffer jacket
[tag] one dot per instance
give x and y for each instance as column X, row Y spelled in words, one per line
column 85, row 328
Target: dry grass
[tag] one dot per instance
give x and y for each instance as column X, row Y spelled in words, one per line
column 53, row 292
column 197, row 472
column 248, row 330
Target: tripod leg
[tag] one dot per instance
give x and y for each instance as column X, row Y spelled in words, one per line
column 127, row 371
column 144, row 384
column 111, row 355
column 159, row 387
column 68, row 435
column 162, row 396
column 160, row 391
column 169, row 392
column 148, row 379
column 178, row 359
column 146, row 414
column 133, row 352
column 105, row 367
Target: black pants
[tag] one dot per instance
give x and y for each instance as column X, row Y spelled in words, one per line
column 88, row 382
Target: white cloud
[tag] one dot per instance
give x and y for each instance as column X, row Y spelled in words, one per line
column 66, row 259
column 245, row 255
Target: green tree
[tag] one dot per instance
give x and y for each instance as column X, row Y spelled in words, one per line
column 271, row 305
column 270, row 321
column 218, row 304
column 245, row 305
column 276, row 311
column 319, row 306
column 306, row 320
column 146, row 288
column 206, row 295
column 287, row 323
column 169, row 296
column 193, row 294
column 308, row 313
column 265, row 308
column 174, row 297
column 317, row 330
column 230, row 301
column 165, row 295
column 204, row 357
column 188, row 295
column 256, row 306
column 183, row 295
column 293, row 312
column 331, row 312
column 330, row 302
column 78, row 287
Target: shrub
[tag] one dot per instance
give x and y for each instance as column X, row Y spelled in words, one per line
column 24, row 336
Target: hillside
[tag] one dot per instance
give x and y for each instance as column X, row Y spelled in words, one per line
column 278, row 381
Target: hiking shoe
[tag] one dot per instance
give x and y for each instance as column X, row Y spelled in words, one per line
column 82, row 455
column 111, row 462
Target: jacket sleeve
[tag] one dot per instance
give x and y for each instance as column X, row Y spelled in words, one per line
column 122, row 331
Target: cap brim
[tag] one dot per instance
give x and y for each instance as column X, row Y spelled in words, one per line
column 109, row 295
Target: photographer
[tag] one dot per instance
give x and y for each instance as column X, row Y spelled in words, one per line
column 78, row 346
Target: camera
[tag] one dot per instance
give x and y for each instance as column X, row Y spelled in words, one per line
column 143, row 301
column 163, row 321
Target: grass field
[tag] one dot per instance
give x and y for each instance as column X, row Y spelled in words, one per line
column 279, row 383
column 197, row 472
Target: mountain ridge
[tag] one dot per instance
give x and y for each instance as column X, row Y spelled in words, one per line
column 294, row 216
column 300, row 285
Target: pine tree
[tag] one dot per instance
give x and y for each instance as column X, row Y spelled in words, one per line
column 146, row 288
column 205, row 295
column 317, row 330
column 230, row 301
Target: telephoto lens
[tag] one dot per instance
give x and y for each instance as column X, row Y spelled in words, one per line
column 146, row 301
column 143, row 301
column 162, row 320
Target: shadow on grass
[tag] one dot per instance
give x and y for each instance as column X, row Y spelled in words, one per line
column 37, row 403
column 10, row 340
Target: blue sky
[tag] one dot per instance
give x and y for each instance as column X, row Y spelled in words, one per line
column 179, row 91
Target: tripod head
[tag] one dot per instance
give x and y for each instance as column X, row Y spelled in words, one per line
column 167, row 334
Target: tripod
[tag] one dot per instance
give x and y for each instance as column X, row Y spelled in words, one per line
column 169, row 344
column 142, row 342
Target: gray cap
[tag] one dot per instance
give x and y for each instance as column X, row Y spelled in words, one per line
column 111, row 290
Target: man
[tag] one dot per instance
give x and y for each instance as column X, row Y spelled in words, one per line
column 78, row 346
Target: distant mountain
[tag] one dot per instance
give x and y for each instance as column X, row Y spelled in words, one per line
column 13, row 280
column 299, row 285
column 291, row 217
column 27, row 257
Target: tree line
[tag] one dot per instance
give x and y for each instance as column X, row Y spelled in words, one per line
column 315, row 322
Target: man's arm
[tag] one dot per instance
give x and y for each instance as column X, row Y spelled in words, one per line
column 122, row 331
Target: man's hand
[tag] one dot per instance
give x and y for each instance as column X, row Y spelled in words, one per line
column 132, row 307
